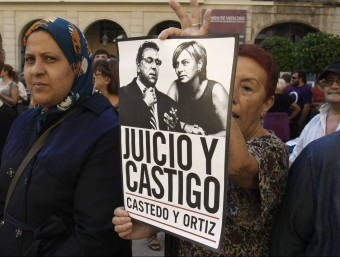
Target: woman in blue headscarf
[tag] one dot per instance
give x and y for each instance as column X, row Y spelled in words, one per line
column 61, row 202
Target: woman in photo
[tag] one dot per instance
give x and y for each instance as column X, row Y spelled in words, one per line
column 202, row 103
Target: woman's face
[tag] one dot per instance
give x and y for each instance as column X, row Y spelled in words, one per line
column 249, row 96
column 3, row 73
column 48, row 73
column 186, row 67
column 100, row 81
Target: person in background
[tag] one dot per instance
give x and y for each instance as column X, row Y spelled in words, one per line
column 288, row 81
column 105, row 72
column 100, row 54
column 64, row 198
column 7, row 117
column 301, row 93
column 277, row 118
column 27, row 103
column 23, row 101
column 9, row 91
column 308, row 223
column 2, row 54
column 328, row 120
column 287, row 78
column 318, row 98
column 7, row 114
column 258, row 160
column 192, row 90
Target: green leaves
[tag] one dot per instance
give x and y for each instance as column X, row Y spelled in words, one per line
column 316, row 50
column 311, row 54
column 282, row 50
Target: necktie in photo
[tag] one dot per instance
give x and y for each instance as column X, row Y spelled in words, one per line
column 153, row 120
column 153, row 113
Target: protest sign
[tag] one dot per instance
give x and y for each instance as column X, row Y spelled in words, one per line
column 175, row 107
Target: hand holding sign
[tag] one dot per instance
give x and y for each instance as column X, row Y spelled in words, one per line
column 128, row 230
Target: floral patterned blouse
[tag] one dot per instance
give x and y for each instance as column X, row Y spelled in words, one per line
column 251, row 212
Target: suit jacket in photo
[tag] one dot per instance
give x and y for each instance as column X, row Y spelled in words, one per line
column 134, row 112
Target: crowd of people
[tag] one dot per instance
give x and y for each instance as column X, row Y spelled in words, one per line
column 14, row 99
column 60, row 175
column 277, row 118
column 296, row 103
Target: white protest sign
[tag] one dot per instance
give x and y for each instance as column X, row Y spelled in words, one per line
column 174, row 177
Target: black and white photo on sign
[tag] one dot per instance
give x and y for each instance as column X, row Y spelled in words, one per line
column 174, row 113
column 218, row 55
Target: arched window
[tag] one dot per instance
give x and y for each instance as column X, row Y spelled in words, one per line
column 292, row 30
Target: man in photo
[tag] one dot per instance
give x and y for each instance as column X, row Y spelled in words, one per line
column 141, row 104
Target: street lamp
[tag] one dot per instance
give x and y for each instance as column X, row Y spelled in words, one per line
column 105, row 38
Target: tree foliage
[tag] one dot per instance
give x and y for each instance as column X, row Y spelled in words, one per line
column 283, row 51
column 311, row 54
column 316, row 50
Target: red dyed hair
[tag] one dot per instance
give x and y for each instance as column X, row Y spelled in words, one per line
column 266, row 61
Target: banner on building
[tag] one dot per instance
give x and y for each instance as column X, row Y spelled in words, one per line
column 230, row 22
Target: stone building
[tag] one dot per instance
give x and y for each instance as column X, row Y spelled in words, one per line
column 103, row 21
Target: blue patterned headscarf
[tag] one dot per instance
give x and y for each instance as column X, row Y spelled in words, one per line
column 74, row 46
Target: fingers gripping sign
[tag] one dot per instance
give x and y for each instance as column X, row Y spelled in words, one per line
column 190, row 27
column 130, row 229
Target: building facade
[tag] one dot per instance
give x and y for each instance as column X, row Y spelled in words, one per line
column 103, row 21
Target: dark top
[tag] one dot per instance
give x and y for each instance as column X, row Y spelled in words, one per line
column 199, row 111
column 7, row 116
column 135, row 113
column 301, row 95
column 64, row 201
column 308, row 223
column 282, row 103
